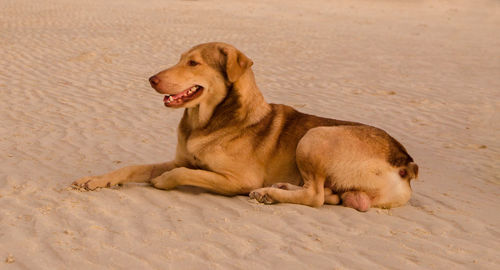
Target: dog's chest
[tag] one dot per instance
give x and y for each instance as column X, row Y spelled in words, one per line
column 202, row 152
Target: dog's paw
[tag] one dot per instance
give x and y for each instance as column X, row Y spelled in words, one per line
column 90, row 183
column 158, row 182
column 261, row 196
column 168, row 179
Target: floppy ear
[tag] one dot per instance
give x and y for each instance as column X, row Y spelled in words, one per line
column 236, row 63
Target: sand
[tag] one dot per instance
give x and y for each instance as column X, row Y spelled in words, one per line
column 75, row 101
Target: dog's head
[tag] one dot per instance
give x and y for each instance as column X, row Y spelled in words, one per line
column 202, row 75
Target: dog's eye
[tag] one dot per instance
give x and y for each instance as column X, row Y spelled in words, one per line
column 193, row 63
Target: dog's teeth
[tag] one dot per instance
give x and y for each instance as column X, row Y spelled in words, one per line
column 194, row 88
column 170, row 98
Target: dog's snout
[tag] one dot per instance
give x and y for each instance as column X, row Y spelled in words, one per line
column 154, row 80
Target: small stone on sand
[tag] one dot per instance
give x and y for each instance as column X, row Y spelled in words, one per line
column 10, row 259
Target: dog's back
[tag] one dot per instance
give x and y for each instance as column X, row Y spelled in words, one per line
column 282, row 129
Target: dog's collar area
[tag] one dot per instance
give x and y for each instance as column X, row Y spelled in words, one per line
column 183, row 96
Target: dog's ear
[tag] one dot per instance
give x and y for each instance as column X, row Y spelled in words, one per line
column 236, row 63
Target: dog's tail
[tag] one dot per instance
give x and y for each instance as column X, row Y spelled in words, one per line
column 410, row 171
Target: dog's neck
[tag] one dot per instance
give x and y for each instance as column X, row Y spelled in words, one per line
column 243, row 104
column 253, row 106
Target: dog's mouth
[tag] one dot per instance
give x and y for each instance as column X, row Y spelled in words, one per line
column 183, row 97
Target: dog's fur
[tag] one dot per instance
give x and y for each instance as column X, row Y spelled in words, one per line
column 230, row 141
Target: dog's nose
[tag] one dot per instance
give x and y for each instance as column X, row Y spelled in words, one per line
column 154, row 80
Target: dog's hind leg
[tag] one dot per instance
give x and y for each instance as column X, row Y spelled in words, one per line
column 312, row 193
column 286, row 186
column 330, row 197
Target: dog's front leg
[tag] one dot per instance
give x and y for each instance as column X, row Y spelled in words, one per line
column 137, row 173
column 214, row 182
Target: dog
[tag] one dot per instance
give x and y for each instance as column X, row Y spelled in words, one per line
column 230, row 141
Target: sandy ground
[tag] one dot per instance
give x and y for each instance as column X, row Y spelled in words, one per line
column 75, row 101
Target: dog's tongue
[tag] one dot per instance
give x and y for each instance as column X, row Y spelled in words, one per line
column 177, row 96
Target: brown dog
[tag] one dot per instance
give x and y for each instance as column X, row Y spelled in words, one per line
column 230, row 141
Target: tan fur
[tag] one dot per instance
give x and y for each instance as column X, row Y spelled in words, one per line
column 230, row 141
